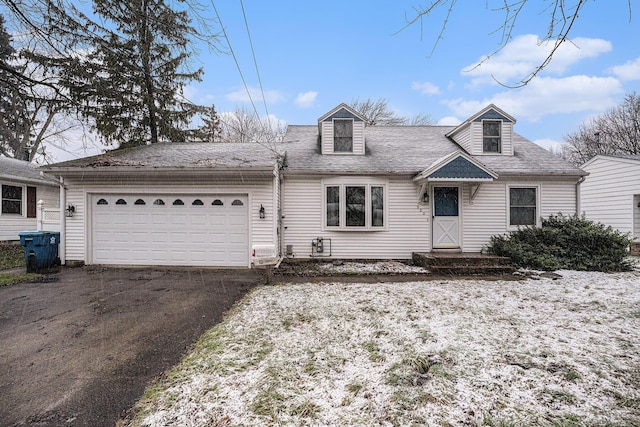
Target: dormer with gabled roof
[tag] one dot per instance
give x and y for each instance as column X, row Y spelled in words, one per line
column 342, row 131
column 488, row 132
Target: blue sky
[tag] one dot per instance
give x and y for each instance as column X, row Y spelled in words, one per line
column 314, row 55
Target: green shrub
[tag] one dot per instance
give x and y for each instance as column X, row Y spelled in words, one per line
column 565, row 242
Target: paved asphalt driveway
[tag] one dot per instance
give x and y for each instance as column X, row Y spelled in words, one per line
column 79, row 350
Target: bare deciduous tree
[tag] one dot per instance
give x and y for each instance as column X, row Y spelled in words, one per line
column 561, row 16
column 244, row 125
column 376, row 112
column 617, row 131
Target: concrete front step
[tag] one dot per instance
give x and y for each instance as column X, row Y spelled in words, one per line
column 463, row 263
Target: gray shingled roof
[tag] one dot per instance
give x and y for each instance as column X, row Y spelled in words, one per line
column 21, row 171
column 212, row 156
column 404, row 150
column 410, row 150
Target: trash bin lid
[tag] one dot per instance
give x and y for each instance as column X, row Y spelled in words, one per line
column 31, row 233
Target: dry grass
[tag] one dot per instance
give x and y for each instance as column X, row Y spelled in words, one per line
column 443, row 353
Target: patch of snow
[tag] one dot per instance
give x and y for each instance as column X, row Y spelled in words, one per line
column 383, row 267
column 445, row 352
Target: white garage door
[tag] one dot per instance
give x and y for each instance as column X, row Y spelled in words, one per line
column 190, row 230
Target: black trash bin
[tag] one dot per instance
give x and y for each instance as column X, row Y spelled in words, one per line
column 40, row 249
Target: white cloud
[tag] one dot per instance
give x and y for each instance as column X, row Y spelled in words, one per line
column 628, row 71
column 449, row 121
column 425, row 88
column 525, row 53
column 271, row 96
column 546, row 95
column 306, row 99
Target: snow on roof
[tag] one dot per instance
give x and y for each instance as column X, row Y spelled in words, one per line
column 411, row 149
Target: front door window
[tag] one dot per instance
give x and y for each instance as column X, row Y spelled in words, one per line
column 445, row 201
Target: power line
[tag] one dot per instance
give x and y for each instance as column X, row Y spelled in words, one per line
column 253, row 53
column 235, row 59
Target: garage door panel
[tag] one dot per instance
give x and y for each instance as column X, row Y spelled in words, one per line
column 236, row 220
column 199, row 219
column 158, row 219
column 120, row 218
column 140, row 219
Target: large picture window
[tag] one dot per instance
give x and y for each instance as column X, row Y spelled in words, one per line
column 523, row 206
column 11, row 199
column 355, row 206
column 343, row 135
column 491, row 136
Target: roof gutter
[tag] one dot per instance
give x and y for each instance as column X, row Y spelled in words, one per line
column 128, row 171
column 34, row 181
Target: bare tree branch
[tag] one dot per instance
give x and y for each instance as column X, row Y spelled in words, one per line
column 562, row 17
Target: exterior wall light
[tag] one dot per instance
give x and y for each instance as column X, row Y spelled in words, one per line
column 261, row 211
column 70, row 210
column 425, row 197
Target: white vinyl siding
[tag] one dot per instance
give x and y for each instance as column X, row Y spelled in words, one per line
column 608, row 194
column 11, row 225
column 78, row 228
column 487, row 215
column 557, row 197
column 407, row 223
column 464, row 139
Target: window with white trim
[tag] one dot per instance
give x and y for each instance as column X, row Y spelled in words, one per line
column 355, row 206
column 491, row 136
column 523, row 206
column 343, row 135
column 11, row 199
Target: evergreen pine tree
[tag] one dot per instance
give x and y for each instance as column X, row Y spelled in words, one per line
column 14, row 129
column 130, row 83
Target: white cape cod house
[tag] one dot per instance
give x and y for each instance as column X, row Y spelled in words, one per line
column 335, row 189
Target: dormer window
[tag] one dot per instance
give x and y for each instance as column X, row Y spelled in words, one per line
column 491, row 138
column 342, row 135
column 342, row 132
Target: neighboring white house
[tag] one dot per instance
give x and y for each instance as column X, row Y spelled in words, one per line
column 335, row 189
column 22, row 187
column 611, row 192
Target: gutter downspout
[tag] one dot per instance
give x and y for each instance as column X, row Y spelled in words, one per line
column 578, row 199
column 280, row 212
column 62, row 247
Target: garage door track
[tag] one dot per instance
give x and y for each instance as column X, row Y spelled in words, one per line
column 80, row 349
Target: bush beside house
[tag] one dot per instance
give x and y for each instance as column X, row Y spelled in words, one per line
column 565, row 242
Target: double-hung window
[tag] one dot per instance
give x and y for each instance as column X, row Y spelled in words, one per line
column 491, row 138
column 342, row 135
column 355, row 206
column 523, row 206
column 11, row 199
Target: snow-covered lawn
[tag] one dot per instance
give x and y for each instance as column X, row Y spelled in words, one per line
column 544, row 352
